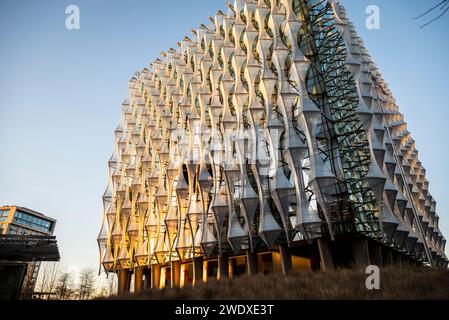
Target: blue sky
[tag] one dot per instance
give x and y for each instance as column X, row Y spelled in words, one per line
column 61, row 90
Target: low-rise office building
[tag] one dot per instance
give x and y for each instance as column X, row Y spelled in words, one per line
column 21, row 227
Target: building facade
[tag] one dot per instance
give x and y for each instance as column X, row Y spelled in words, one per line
column 265, row 142
column 16, row 220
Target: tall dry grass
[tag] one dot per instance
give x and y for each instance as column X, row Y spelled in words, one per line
column 395, row 283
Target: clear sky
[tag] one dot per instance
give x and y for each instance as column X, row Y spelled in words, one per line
column 61, row 90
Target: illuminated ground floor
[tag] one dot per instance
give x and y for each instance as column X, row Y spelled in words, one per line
column 320, row 255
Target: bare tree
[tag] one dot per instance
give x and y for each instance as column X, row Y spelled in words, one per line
column 42, row 278
column 103, row 292
column 54, row 275
column 442, row 5
column 64, row 290
column 86, row 284
column 112, row 284
column 48, row 276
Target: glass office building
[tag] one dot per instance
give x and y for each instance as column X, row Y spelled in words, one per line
column 266, row 141
column 16, row 220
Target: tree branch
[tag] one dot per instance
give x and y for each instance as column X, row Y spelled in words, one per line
column 443, row 5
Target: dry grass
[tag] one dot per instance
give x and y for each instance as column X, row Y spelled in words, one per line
column 395, row 283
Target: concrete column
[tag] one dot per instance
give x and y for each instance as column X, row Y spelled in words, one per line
column 327, row 263
column 205, row 269
column 377, row 255
column 360, row 252
column 155, row 276
column 128, row 281
column 230, row 268
column 408, row 262
column 286, row 259
column 397, row 258
column 223, row 266
column 124, row 278
column 176, row 274
column 315, row 259
column 197, row 270
column 138, row 278
column 387, row 256
column 121, row 282
column 251, row 262
column 147, row 282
